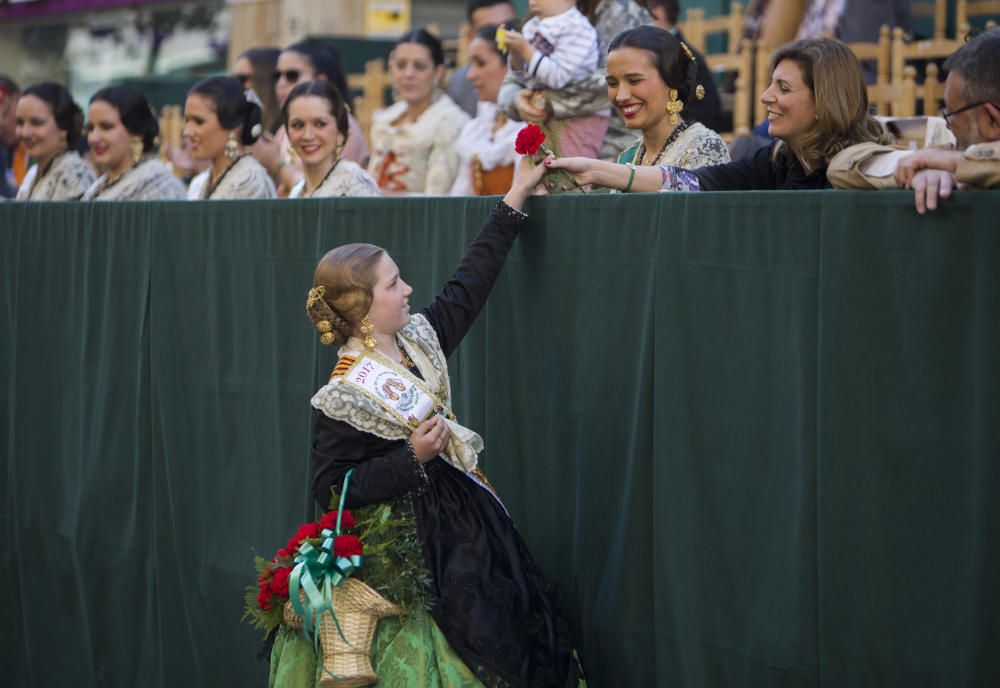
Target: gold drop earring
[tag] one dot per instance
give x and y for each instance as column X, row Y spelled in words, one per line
column 674, row 107
column 367, row 327
column 232, row 148
column 136, row 150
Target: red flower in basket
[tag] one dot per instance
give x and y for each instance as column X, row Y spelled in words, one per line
column 529, row 140
column 347, row 546
column 329, row 520
column 263, row 598
column 279, row 583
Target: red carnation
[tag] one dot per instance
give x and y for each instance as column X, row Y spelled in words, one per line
column 306, row 531
column 529, row 140
column 329, row 520
column 263, row 599
column 347, row 546
column 279, row 583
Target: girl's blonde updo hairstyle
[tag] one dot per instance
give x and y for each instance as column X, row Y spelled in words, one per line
column 342, row 290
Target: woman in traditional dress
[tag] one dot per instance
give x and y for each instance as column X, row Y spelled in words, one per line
column 493, row 620
column 652, row 76
column 413, row 139
column 49, row 123
column 817, row 105
column 122, row 134
column 315, row 119
column 485, row 146
column 297, row 64
column 219, row 120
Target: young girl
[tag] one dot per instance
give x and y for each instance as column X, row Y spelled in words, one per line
column 559, row 49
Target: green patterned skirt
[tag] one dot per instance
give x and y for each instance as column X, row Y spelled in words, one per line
column 407, row 651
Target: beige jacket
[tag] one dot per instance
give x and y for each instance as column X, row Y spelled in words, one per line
column 980, row 166
column 872, row 166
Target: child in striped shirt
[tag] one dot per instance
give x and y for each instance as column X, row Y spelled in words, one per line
column 557, row 48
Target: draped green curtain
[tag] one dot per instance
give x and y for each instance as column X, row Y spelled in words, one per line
column 752, row 436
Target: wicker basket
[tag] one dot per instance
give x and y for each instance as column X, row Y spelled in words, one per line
column 358, row 608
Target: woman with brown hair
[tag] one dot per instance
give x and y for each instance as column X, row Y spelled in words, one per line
column 493, row 619
column 817, row 105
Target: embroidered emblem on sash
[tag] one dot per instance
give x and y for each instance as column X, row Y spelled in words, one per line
column 397, row 391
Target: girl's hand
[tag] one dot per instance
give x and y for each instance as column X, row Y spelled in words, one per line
column 527, row 176
column 430, row 438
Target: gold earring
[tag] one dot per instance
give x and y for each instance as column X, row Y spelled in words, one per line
column 699, row 92
column 136, row 150
column 674, row 107
column 367, row 327
column 232, row 148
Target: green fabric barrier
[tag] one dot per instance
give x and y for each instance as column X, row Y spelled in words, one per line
column 752, row 436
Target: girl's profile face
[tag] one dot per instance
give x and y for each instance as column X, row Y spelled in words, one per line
column 390, row 309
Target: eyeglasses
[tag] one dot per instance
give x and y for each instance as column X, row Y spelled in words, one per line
column 948, row 115
column 291, row 75
column 244, row 79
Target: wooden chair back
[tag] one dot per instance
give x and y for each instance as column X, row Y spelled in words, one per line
column 697, row 29
column 372, row 84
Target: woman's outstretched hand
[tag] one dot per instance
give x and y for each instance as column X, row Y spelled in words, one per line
column 527, row 176
column 584, row 169
column 430, row 438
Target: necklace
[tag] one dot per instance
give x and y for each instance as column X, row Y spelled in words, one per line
column 404, row 360
column 326, row 176
column 641, row 153
column 212, row 186
column 111, row 181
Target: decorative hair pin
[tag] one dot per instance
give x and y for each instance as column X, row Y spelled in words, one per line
column 252, row 97
column 687, row 51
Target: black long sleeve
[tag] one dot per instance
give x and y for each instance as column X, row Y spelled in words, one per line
column 762, row 171
column 456, row 306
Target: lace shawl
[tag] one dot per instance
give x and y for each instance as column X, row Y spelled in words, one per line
column 67, row 179
column 148, row 181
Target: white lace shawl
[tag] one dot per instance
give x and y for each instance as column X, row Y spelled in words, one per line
column 67, row 179
column 150, row 180
column 349, row 405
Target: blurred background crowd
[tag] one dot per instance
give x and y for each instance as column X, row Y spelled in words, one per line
column 128, row 99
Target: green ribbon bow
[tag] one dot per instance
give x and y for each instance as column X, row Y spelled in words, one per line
column 317, row 572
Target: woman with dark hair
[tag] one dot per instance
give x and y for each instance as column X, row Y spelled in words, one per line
column 255, row 70
column 485, row 146
column 297, row 64
column 122, row 134
column 817, row 105
column 609, row 18
column 219, row 120
column 48, row 124
column 413, row 139
column 315, row 118
column 652, row 77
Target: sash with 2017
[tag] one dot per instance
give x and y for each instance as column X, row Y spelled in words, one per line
column 399, row 393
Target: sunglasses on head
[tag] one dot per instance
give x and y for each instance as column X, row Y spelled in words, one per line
column 291, row 75
column 244, row 79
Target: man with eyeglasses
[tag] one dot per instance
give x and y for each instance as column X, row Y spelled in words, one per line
column 972, row 112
